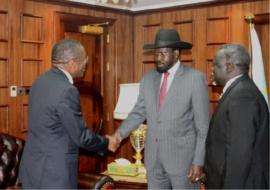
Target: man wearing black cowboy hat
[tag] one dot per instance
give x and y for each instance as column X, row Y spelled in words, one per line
column 173, row 99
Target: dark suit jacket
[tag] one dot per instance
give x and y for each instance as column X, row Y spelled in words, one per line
column 237, row 148
column 56, row 129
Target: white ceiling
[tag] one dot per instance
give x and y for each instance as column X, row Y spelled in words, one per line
column 139, row 5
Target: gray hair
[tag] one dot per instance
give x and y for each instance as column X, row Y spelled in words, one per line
column 65, row 51
column 235, row 54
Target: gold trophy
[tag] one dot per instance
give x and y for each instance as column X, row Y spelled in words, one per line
column 137, row 139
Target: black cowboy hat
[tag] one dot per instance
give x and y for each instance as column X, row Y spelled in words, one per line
column 168, row 38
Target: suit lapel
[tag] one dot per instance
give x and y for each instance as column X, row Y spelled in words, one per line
column 157, row 80
column 226, row 94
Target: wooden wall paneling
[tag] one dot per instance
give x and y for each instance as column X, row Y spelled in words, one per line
column 32, row 37
column 218, row 32
column 30, row 70
column 239, row 29
column 32, row 29
column 153, row 18
column 147, row 29
column 4, row 117
column 3, row 26
column 77, row 10
column 4, row 69
column 4, row 100
column 32, row 51
column 183, row 23
column 8, row 104
column 199, row 50
column 182, row 15
column 4, row 5
column 122, row 51
column 4, row 73
column 166, row 19
column 4, row 49
column 99, row 13
column 4, row 110
column 256, row 7
column 218, row 25
column 138, row 46
column 149, row 33
column 150, row 28
column 23, row 117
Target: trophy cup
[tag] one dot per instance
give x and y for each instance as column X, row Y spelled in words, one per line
column 137, row 139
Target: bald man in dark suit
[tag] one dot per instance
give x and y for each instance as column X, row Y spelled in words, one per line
column 237, row 146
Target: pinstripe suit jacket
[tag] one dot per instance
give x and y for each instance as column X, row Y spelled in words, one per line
column 178, row 131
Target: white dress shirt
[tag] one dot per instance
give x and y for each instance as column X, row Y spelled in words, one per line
column 229, row 83
column 172, row 72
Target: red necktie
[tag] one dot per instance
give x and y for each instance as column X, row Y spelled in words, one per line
column 163, row 90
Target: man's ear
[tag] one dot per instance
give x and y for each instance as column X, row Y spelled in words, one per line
column 230, row 67
column 69, row 66
column 176, row 53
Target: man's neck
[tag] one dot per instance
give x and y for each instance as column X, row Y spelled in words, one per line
column 65, row 71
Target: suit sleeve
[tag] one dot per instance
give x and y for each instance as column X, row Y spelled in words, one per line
column 200, row 105
column 70, row 114
column 136, row 116
column 240, row 138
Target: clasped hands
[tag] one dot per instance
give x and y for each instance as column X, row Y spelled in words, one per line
column 114, row 141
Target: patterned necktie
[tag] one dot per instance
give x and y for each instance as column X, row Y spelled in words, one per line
column 163, row 90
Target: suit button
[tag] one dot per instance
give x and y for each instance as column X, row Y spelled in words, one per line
column 158, row 121
column 156, row 139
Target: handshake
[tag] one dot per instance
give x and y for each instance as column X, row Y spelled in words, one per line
column 114, row 141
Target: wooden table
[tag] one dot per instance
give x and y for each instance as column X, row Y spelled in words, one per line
column 128, row 182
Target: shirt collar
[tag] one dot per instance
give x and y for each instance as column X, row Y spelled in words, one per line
column 228, row 84
column 70, row 79
column 174, row 68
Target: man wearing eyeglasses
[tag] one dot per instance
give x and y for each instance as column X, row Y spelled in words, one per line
column 174, row 100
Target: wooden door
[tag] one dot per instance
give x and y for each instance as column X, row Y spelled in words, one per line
column 90, row 87
column 6, row 102
column 21, row 62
